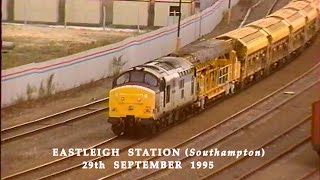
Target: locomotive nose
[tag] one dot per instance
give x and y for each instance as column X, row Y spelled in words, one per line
column 135, row 101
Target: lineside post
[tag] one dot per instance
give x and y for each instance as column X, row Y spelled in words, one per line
column 178, row 35
column 65, row 14
column 229, row 12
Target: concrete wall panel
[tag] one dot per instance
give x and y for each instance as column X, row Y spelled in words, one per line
column 83, row 11
column 36, row 10
column 130, row 12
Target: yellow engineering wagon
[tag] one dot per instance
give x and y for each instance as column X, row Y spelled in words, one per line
column 251, row 45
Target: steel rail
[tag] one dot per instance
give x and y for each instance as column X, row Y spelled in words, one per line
column 227, row 135
column 51, row 126
column 295, row 126
column 58, row 160
column 288, row 150
column 248, row 13
column 79, row 165
column 92, row 160
column 309, row 174
column 47, row 118
column 233, row 116
column 105, row 157
column 261, row 100
column 275, row 2
column 54, row 115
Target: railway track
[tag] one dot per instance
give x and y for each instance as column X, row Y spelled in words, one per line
column 48, row 122
column 56, row 172
column 233, row 124
column 248, row 13
column 296, row 127
column 287, row 151
column 252, row 11
column 310, row 174
column 37, row 169
column 123, row 149
column 53, row 168
column 42, row 173
column 275, row 2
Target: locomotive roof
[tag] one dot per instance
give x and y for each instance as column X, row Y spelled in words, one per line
column 165, row 66
column 206, row 50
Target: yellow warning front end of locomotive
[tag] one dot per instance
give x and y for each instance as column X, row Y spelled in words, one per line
column 131, row 100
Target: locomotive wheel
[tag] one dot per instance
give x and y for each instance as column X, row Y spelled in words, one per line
column 117, row 129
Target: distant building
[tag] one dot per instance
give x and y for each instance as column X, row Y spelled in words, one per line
column 150, row 12
column 156, row 13
column 167, row 11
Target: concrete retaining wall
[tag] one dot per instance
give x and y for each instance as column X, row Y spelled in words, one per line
column 38, row 79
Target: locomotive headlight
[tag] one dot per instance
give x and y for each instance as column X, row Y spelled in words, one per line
column 139, row 99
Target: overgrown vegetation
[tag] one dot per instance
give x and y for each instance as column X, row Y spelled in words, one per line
column 117, row 65
column 30, row 92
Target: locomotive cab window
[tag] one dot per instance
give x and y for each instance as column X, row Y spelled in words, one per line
column 124, row 78
column 149, row 79
column 137, row 77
